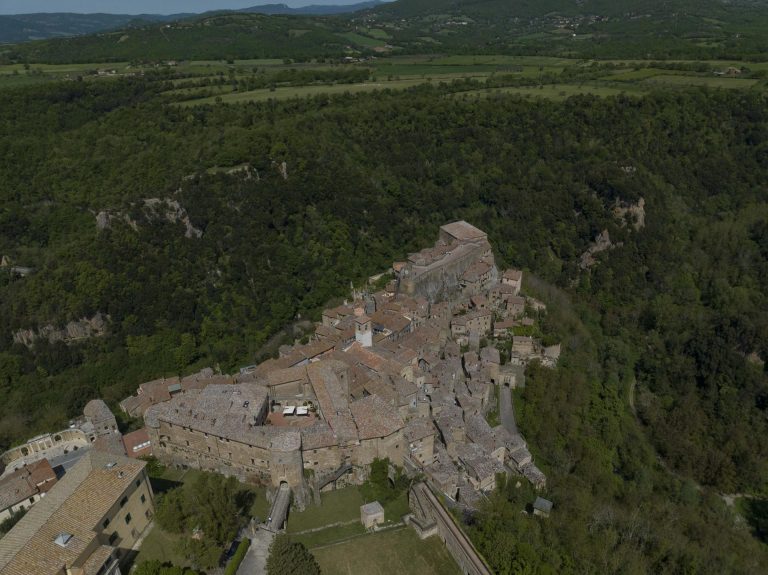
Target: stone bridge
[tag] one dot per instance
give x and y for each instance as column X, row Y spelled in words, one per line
column 279, row 510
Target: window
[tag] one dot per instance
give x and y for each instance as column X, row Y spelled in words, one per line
column 143, row 498
column 113, row 538
column 32, row 499
column 123, row 501
column 138, row 482
column 128, row 519
column 105, row 523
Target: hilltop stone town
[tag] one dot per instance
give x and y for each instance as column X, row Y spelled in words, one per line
column 410, row 373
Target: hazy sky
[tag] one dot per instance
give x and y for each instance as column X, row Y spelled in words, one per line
column 143, row 6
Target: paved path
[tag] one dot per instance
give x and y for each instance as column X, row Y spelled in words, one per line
column 506, row 412
column 279, row 510
column 255, row 561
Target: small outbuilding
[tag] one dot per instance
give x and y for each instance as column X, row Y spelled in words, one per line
column 542, row 507
column 371, row 514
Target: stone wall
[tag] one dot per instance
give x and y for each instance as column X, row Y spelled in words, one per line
column 40, row 447
column 179, row 446
column 430, row 516
column 440, row 281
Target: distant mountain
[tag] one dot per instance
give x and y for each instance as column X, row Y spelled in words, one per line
column 26, row 27
column 312, row 10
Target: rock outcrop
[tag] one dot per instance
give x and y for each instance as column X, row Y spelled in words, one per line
column 154, row 209
column 73, row 331
column 602, row 243
column 171, row 211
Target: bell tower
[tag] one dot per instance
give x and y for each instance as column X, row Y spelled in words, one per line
column 363, row 331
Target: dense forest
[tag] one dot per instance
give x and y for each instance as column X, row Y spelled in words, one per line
column 200, row 232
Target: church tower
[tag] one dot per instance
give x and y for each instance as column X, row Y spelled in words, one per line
column 363, row 331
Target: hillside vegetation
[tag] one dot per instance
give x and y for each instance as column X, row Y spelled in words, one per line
column 652, row 29
column 159, row 218
column 329, row 190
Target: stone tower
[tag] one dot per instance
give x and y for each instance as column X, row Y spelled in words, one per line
column 363, row 331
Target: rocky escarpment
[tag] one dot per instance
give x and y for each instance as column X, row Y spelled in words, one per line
column 73, row 331
column 602, row 243
column 153, row 209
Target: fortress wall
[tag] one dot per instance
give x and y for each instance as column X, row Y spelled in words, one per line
column 442, row 281
column 428, row 510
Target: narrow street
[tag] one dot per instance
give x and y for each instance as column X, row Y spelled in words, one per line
column 506, row 411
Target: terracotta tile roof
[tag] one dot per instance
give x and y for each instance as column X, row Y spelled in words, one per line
column 287, row 375
column 513, row 275
column 344, row 428
column 137, row 443
column 227, row 411
column 25, row 482
column 490, row 355
column 76, row 505
column 505, row 324
column 463, row 231
column 97, row 410
column 375, row 418
column 419, row 428
column 110, row 443
column 330, row 393
column 317, row 436
column 477, row 270
column 97, row 560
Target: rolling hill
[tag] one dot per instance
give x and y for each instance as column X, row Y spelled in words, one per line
column 649, row 29
column 28, row 27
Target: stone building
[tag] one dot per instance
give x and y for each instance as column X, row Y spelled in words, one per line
column 371, row 514
column 385, row 376
column 436, row 273
column 219, row 428
column 87, row 523
column 24, row 487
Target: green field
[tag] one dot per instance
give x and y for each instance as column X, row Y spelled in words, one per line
column 708, row 81
column 395, row 551
column 161, row 546
column 361, row 40
column 330, row 535
column 304, row 92
column 549, row 91
column 337, row 507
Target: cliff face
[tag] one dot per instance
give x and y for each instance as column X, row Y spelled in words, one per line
column 153, row 209
column 73, row 331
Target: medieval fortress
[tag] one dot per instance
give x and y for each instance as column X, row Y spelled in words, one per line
column 408, row 373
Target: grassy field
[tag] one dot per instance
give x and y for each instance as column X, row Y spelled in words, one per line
column 394, row 551
column 161, row 546
column 549, row 91
column 708, row 81
column 304, row 92
column 337, row 506
column 361, row 40
column 330, row 535
column 401, row 72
